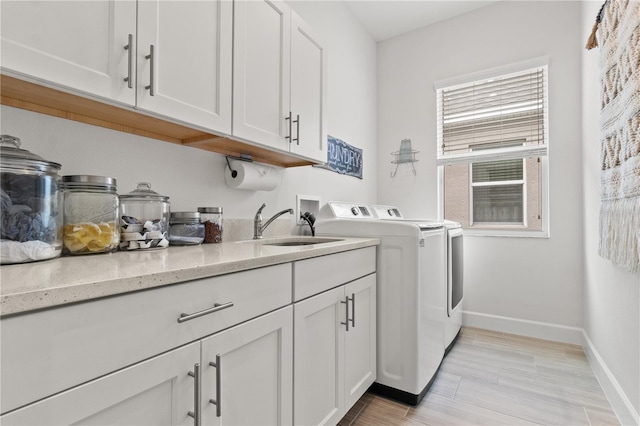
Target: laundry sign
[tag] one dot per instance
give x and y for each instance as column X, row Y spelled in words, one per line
column 344, row 158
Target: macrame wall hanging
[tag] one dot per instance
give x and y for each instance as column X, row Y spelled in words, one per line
column 618, row 27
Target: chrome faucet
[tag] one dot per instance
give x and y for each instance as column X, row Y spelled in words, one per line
column 257, row 221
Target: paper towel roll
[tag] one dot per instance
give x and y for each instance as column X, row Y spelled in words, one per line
column 252, row 176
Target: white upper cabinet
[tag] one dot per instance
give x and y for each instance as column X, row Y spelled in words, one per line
column 308, row 91
column 184, row 61
column 279, row 85
column 251, row 69
column 261, row 43
column 170, row 58
column 75, row 44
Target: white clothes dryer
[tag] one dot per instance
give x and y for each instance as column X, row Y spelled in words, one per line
column 453, row 267
column 410, row 313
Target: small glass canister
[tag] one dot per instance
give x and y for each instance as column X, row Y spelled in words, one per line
column 212, row 219
column 144, row 219
column 185, row 229
column 90, row 214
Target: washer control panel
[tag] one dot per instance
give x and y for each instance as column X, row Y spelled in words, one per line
column 349, row 210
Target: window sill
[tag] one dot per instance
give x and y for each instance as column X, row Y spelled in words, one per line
column 510, row 233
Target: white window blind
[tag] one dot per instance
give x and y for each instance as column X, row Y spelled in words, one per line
column 507, row 114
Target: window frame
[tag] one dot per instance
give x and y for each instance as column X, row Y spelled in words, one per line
column 503, row 230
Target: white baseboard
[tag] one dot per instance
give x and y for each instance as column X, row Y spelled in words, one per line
column 616, row 396
column 536, row 329
column 559, row 333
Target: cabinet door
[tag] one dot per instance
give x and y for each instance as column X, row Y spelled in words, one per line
column 187, row 77
column 360, row 340
column 78, row 45
column 261, row 69
column 154, row 392
column 319, row 362
column 247, row 370
column 308, row 91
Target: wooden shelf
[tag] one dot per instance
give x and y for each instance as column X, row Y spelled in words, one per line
column 45, row 100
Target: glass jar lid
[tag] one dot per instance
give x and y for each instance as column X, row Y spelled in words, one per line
column 12, row 156
column 185, row 217
column 144, row 193
column 89, row 181
column 216, row 210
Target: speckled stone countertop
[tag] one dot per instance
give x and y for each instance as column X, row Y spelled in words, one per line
column 30, row 286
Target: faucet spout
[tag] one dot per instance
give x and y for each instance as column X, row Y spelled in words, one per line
column 258, row 227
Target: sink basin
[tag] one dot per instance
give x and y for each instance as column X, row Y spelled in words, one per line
column 300, row 241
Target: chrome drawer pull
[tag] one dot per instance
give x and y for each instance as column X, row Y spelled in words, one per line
column 218, row 401
column 353, row 310
column 216, row 307
column 346, row 305
column 195, row 414
column 129, row 47
column 297, row 121
column 290, row 129
column 151, row 87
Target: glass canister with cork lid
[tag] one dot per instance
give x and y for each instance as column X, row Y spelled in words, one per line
column 212, row 219
column 144, row 219
column 91, row 208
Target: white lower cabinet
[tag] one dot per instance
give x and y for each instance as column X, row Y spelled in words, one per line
column 334, row 351
column 158, row 391
column 246, row 373
column 278, row 345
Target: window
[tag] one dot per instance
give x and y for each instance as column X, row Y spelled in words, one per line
column 492, row 148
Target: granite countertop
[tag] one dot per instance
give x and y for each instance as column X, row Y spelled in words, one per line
column 38, row 285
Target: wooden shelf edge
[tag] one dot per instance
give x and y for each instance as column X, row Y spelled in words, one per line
column 34, row 97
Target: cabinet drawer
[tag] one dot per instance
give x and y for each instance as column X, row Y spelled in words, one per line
column 52, row 350
column 313, row 276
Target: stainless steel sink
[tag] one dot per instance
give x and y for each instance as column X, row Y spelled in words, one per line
column 297, row 241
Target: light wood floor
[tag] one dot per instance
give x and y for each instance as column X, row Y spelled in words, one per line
column 492, row 378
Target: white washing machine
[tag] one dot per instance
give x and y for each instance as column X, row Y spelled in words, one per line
column 409, row 295
column 453, row 267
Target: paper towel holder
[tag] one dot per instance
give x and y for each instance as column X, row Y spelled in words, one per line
column 246, row 174
column 243, row 157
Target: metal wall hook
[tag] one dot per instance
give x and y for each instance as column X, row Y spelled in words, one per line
column 404, row 155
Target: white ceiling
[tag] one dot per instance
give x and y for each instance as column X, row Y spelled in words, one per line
column 385, row 19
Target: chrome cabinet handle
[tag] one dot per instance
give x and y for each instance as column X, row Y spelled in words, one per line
column 297, row 121
column 218, row 401
column 195, row 414
column 216, row 307
column 151, row 87
column 346, row 305
column 353, row 310
column 290, row 127
column 129, row 47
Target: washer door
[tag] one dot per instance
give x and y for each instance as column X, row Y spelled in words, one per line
column 455, row 276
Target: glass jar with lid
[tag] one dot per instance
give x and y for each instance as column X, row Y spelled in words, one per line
column 144, row 219
column 211, row 217
column 30, row 205
column 90, row 214
column 185, row 229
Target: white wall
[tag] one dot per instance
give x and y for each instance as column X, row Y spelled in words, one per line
column 192, row 177
column 510, row 283
column 611, row 295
